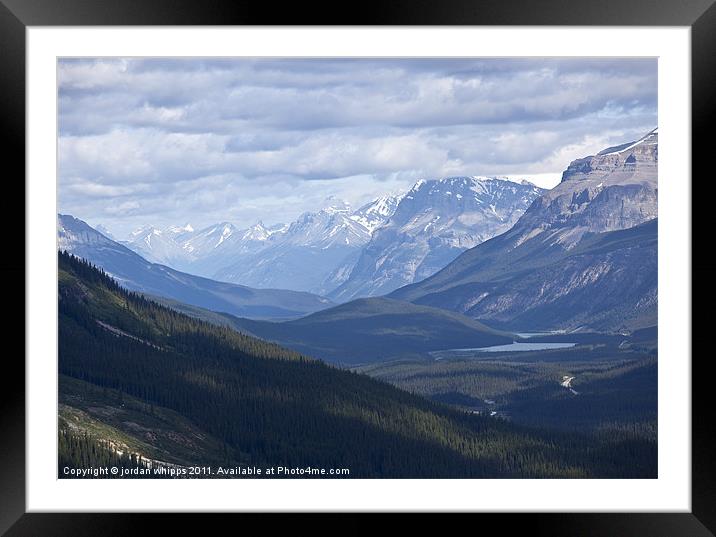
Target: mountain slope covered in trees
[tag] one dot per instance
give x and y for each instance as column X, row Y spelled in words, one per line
column 375, row 329
column 266, row 405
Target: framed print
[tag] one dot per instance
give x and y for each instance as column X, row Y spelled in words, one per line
column 417, row 264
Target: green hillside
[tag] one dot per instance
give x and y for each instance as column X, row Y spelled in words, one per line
column 149, row 379
column 375, row 329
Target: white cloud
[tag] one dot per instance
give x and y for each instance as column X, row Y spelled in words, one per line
column 125, row 208
column 167, row 141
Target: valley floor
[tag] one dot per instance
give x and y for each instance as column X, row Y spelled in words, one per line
column 607, row 390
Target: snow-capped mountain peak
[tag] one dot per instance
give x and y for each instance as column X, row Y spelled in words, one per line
column 418, row 184
column 374, row 214
column 257, row 232
column 155, row 245
column 203, row 241
column 431, row 224
column 315, row 252
column 417, row 231
column 187, row 228
column 332, row 205
column 142, row 231
column 226, row 231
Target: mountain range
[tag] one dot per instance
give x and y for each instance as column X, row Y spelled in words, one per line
column 190, row 371
column 344, row 253
column 433, row 223
column 137, row 274
column 309, row 253
column 305, row 255
column 583, row 255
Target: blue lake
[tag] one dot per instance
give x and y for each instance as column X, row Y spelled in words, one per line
column 517, row 347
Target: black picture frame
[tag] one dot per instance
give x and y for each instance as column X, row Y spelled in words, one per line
column 17, row 15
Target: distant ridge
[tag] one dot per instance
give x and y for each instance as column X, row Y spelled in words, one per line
column 137, row 274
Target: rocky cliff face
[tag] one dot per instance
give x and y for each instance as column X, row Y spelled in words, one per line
column 615, row 189
column 583, row 254
column 74, row 235
column 433, row 223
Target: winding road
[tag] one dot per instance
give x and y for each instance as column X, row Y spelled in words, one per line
column 567, row 383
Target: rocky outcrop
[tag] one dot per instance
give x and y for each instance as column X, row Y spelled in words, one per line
column 615, row 189
column 567, row 262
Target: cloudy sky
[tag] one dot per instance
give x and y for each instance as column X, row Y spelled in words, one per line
column 171, row 141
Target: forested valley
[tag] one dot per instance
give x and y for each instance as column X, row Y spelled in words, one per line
column 149, row 382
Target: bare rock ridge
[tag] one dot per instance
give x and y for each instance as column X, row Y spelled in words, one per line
column 584, row 254
column 615, row 189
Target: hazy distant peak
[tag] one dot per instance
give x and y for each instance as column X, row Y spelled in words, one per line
column 104, row 231
column 144, row 231
column 187, row 228
column 333, row 204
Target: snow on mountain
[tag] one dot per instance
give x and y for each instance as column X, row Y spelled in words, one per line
column 74, row 234
column 305, row 254
column 257, row 232
column 315, row 252
column 187, row 228
column 400, row 236
column 204, row 241
column 401, row 239
column 431, row 225
column 180, row 233
column 331, row 226
column 583, row 254
column 652, row 138
column 138, row 274
column 333, row 205
column 374, row 214
column 158, row 246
